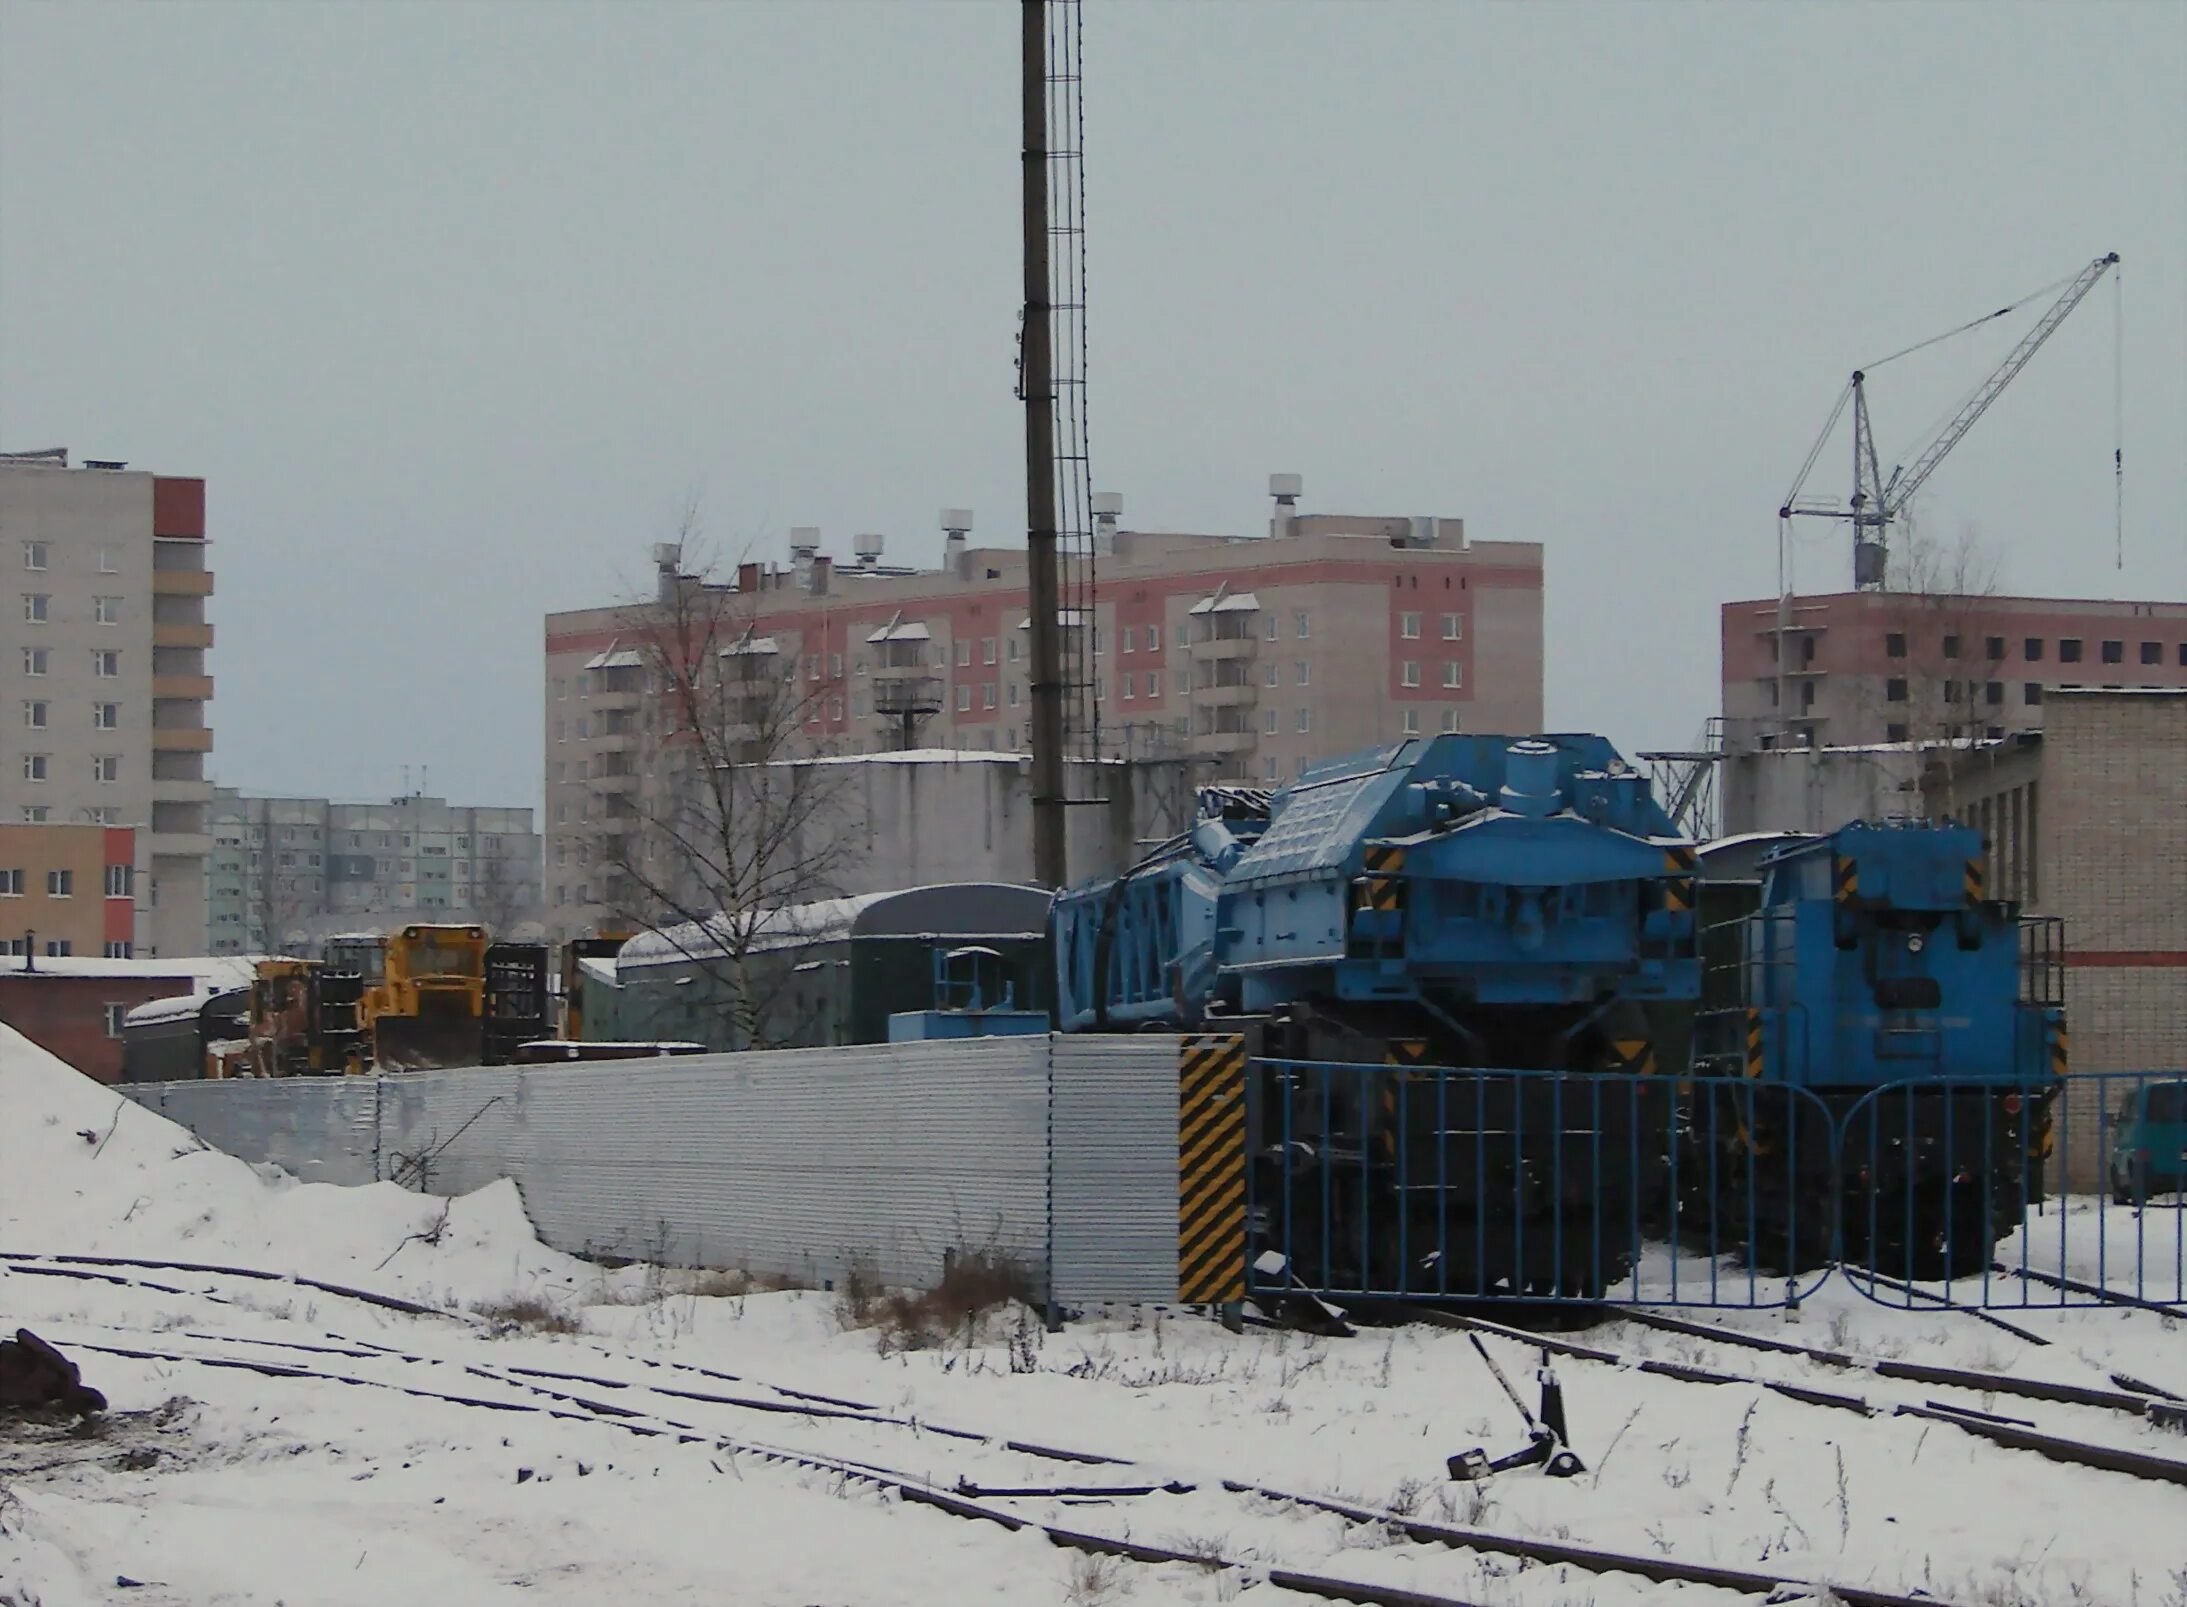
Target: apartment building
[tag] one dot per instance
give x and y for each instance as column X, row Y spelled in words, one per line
column 287, row 872
column 1248, row 657
column 1862, row 668
column 103, row 689
column 68, row 890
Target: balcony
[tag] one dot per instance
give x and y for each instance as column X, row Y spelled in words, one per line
column 1218, row 742
column 180, row 634
column 1226, row 647
column 624, row 781
column 616, row 701
column 1238, row 695
column 198, row 688
column 180, row 790
column 182, row 583
column 182, row 739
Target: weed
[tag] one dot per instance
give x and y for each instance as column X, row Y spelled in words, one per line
column 1739, row 1446
column 1209, row 1551
column 1405, row 1499
column 525, row 1314
column 1093, row 1578
column 972, row 1285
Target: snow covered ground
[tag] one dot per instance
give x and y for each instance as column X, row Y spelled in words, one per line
column 349, row 1475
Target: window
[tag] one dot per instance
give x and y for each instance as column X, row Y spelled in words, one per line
column 60, row 884
column 114, row 1014
column 987, row 650
column 2031, row 692
column 1412, row 722
column 1894, row 644
column 37, row 606
column 2069, row 650
column 1273, row 674
column 1894, row 733
column 1453, row 673
column 1302, row 625
column 1951, row 647
column 105, row 663
column 11, row 883
column 1154, row 683
column 964, row 654
column 1012, row 648
column 1951, row 691
column 1154, row 637
column 1269, row 721
column 1993, row 648
column 2152, row 652
column 1099, row 645
column 34, row 714
column 106, row 610
column 1306, row 719
column 1894, row 690
column 60, row 948
column 121, row 881
column 1408, row 626
column 1128, row 636
column 2114, row 652
column 1994, row 693
column 106, row 768
column 109, row 561
column 35, row 814
column 1409, row 675
column 1454, row 627
column 2032, row 650
column 964, row 696
column 812, row 666
column 1450, row 719
column 1268, row 769
column 34, row 660
column 1101, row 688
column 1305, row 673
column 121, row 950
column 1013, row 694
column 34, row 766
column 1130, row 684
column 987, row 694
column 835, row 708
column 835, row 666
column 106, row 716
column 561, row 689
column 34, row 555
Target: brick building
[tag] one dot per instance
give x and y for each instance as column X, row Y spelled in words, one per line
column 103, row 689
column 68, row 890
column 2085, row 821
column 73, row 1007
column 1245, row 658
column 1870, row 667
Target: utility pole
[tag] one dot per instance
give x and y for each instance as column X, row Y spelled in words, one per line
column 1036, row 383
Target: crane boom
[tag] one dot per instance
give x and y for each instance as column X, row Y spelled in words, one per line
column 1905, row 482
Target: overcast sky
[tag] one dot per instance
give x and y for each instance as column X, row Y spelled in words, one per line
column 455, row 305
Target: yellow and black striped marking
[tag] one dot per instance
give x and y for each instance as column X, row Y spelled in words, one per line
column 1678, row 891
column 1845, row 876
column 1384, row 893
column 2059, row 1059
column 1976, row 883
column 1754, row 1042
column 1633, row 1055
column 1406, row 1052
column 1211, row 1169
column 1382, row 887
column 1385, row 859
column 1680, row 861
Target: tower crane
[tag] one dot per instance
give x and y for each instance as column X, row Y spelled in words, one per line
column 1875, row 501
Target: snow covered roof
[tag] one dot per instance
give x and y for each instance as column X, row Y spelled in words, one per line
column 201, row 973
column 788, row 927
column 616, row 658
column 896, row 630
column 174, row 1009
column 1068, row 618
column 1237, row 602
column 750, row 644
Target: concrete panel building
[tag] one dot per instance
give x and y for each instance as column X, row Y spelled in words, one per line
column 1239, row 658
column 2084, row 821
column 103, row 684
column 287, row 872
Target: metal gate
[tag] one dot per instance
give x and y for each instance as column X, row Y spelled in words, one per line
column 1419, row 1183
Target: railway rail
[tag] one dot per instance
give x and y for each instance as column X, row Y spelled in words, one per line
column 572, row 1395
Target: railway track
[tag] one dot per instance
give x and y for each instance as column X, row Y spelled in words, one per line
column 2014, row 1433
column 574, row 1395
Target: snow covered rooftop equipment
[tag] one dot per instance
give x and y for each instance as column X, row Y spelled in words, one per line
column 1239, row 602
column 897, row 630
column 616, row 658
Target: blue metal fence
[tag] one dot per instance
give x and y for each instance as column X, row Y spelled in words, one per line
column 1411, row 1183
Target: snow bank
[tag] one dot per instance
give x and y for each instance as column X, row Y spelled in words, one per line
column 84, row 1171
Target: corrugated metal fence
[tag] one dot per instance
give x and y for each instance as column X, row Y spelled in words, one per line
column 1060, row 1153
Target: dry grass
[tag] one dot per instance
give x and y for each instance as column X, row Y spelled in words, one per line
column 972, row 1286
column 525, row 1314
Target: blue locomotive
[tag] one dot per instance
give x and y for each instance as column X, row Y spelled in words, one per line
column 1902, row 1038
column 1471, row 903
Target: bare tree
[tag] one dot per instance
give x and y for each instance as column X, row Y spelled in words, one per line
column 500, row 895
column 720, row 833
